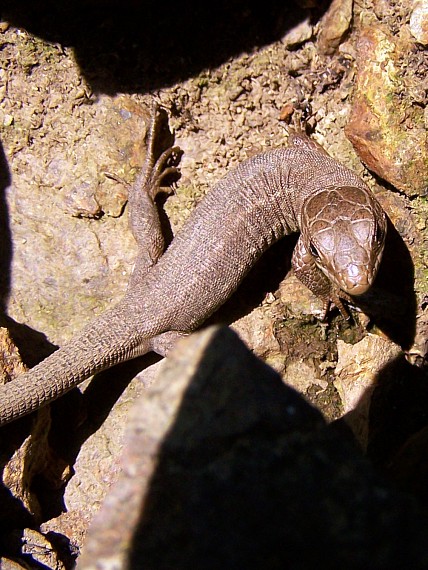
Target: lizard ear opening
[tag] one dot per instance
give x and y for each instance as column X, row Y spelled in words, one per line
column 380, row 231
column 313, row 250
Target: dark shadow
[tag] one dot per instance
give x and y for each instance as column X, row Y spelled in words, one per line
column 67, row 552
column 397, row 439
column 408, row 469
column 5, row 234
column 33, row 345
column 391, row 302
column 142, row 45
column 233, row 487
column 398, row 409
column 13, row 516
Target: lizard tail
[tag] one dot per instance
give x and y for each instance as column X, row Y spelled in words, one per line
column 90, row 352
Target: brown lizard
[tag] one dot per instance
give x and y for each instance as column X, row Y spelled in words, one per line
column 296, row 189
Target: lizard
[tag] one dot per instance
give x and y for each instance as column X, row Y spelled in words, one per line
column 173, row 290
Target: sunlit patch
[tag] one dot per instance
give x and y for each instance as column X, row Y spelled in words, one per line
column 353, row 270
column 363, row 230
column 326, row 240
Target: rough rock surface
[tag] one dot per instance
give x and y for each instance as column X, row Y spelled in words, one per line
column 334, row 25
column 76, row 83
column 419, row 21
column 356, row 379
column 386, row 125
column 226, row 467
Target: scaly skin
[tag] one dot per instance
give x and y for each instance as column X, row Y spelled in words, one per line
column 268, row 196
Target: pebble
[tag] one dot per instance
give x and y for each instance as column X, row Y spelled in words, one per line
column 7, row 120
column 419, row 22
column 334, row 26
column 298, row 35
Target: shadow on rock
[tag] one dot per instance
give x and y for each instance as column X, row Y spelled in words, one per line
column 391, row 302
column 398, row 425
column 226, row 467
column 390, row 421
column 137, row 46
column 5, row 235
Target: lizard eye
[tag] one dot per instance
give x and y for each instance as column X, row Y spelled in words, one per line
column 313, row 250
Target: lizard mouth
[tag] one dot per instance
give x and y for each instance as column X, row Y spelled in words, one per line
column 354, row 280
column 356, row 289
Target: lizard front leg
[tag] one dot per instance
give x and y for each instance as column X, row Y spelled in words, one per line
column 307, row 271
column 161, row 163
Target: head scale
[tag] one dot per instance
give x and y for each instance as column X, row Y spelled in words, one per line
column 344, row 228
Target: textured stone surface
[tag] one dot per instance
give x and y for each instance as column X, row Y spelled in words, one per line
column 419, row 21
column 385, row 127
column 69, row 114
column 224, row 466
column 357, row 370
column 334, row 25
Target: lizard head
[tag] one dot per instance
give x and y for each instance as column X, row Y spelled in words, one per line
column 344, row 229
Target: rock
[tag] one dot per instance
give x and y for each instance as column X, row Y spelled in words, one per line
column 30, row 467
column 385, row 128
column 299, row 34
column 37, row 551
column 334, row 26
column 418, row 353
column 356, row 372
column 81, row 202
column 20, row 464
column 419, row 22
column 36, row 547
column 7, row 564
column 10, row 360
column 302, row 376
column 226, row 467
column 286, row 113
column 257, row 330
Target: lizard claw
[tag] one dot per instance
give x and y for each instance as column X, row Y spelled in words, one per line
column 336, row 298
column 162, row 158
column 167, row 164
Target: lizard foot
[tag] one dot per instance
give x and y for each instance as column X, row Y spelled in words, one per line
column 160, row 168
column 162, row 158
column 336, row 298
column 164, row 170
column 301, row 139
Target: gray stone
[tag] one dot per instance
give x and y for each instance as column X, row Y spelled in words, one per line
column 226, row 467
